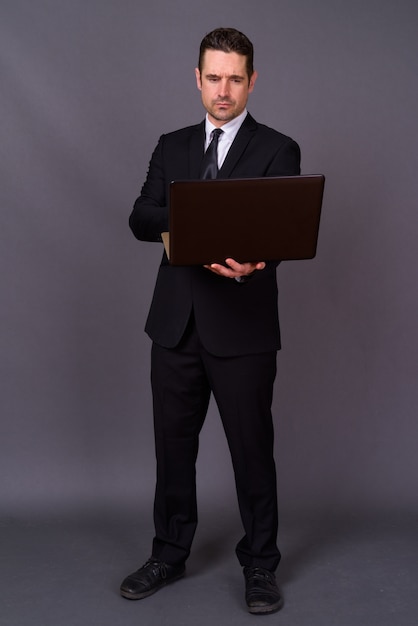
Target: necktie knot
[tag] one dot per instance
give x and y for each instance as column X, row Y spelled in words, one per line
column 215, row 134
column 209, row 168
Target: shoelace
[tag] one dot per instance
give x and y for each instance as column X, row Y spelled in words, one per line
column 262, row 574
column 157, row 568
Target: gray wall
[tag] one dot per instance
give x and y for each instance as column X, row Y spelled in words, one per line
column 86, row 89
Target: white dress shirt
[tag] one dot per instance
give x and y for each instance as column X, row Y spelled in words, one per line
column 230, row 130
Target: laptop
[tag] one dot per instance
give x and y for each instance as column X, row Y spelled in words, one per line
column 251, row 219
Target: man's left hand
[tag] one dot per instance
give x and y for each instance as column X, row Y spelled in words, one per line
column 235, row 269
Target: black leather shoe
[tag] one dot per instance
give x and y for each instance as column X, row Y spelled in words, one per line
column 150, row 578
column 261, row 592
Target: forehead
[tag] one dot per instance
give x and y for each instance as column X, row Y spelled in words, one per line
column 224, row 63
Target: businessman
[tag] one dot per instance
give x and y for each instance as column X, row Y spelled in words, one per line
column 215, row 329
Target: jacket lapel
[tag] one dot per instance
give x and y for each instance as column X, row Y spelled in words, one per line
column 244, row 136
column 196, row 150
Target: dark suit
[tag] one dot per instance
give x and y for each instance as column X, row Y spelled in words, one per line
column 194, row 311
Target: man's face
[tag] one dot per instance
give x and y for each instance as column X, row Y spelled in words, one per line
column 224, row 84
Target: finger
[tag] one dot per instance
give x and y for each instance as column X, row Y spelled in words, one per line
column 218, row 269
column 222, row 270
column 237, row 267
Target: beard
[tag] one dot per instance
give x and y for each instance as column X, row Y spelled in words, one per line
column 223, row 115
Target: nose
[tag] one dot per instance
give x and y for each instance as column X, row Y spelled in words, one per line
column 223, row 88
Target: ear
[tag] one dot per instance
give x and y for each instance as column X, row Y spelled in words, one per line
column 252, row 81
column 198, row 79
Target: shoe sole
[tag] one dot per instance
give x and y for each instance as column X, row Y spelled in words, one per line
column 145, row 594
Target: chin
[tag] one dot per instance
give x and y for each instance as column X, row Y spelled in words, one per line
column 224, row 117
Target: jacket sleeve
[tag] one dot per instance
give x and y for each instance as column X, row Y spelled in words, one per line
column 149, row 217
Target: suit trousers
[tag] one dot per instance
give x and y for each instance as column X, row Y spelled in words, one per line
column 183, row 379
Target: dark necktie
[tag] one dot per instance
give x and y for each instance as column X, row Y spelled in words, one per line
column 209, row 167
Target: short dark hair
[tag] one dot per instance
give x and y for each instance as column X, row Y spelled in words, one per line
column 228, row 40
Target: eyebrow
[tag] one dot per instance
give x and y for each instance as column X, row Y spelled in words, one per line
column 231, row 77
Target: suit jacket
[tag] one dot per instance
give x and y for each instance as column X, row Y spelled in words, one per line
column 232, row 318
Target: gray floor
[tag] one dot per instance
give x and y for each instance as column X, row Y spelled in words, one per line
column 336, row 571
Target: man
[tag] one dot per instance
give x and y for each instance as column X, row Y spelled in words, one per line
column 214, row 330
